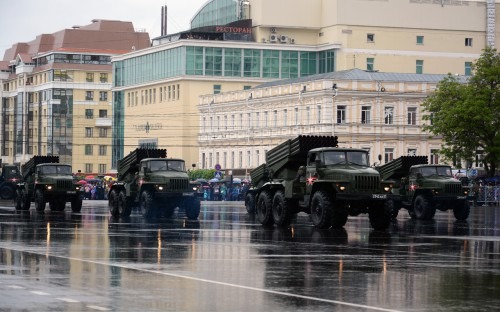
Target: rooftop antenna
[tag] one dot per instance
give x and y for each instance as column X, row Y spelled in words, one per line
column 164, row 20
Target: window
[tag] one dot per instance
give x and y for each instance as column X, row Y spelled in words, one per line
column 104, row 77
column 89, row 132
column 296, row 116
column 88, row 168
column 389, row 115
column 266, row 119
column 88, row 149
column 103, row 132
column 89, row 114
column 285, row 117
column 240, row 159
column 103, row 113
column 369, row 64
column 103, row 95
column 217, row 89
column 318, row 121
column 420, row 40
column 412, row 152
column 89, row 95
column 102, row 168
column 388, row 154
column 275, row 118
column 249, row 159
column 365, row 114
column 468, row 42
column 419, row 66
column 308, row 115
column 341, row 111
column 102, row 150
column 434, row 157
column 412, row 116
column 370, row 37
column 90, row 77
column 468, row 68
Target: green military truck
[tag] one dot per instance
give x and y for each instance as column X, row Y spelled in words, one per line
column 8, row 181
column 311, row 174
column 45, row 180
column 154, row 183
column 422, row 188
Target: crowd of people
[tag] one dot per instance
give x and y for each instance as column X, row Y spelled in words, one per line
column 222, row 191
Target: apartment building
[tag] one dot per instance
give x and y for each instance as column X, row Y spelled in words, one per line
column 236, row 46
column 56, row 94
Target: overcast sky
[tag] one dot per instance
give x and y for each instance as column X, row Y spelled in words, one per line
column 23, row 20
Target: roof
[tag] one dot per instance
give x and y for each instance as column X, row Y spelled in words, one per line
column 362, row 75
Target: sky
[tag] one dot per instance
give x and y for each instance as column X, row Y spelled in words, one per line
column 23, row 20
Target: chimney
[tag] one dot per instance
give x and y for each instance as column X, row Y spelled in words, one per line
column 164, row 20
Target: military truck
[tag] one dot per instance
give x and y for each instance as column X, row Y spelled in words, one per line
column 154, row 183
column 311, row 174
column 8, row 181
column 422, row 188
column 46, row 180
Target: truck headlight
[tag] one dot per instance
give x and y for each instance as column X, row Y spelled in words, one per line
column 160, row 187
column 48, row 187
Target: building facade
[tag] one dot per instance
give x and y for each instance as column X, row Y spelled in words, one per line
column 378, row 112
column 56, row 94
column 236, row 46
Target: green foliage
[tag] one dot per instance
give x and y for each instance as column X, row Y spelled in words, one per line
column 201, row 174
column 467, row 113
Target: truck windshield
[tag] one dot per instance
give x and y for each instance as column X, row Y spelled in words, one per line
column 440, row 171
column 166, row 165
column 346, row 157
column 56, row 169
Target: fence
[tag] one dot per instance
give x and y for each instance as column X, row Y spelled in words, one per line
column 488, row 195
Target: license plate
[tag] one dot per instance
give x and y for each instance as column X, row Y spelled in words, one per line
column 70, row 192
column 379, row 196
column 461, row 197
column 187, row 194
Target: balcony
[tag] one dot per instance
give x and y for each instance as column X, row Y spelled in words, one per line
column 103, row 122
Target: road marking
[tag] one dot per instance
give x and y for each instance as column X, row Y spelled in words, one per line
column 15, row 287
column 98, row 308
column 41, row 293
column 68, row 300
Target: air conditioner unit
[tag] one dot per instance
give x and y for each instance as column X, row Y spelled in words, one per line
column 292, row 40
column 273, row 30
column 283, row 39
column 273, row 38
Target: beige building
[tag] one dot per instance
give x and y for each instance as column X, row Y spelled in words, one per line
column 378, row 112
column 157, row 90
column 56, row 94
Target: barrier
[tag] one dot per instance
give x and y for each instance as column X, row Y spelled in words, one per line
column 488, row 196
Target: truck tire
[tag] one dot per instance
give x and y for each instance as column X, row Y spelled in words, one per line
column 380, row 215
column 76, row 204
column 192, row 207
column 423, row 209
column 113, row 203
column 26, row 202
column 461, row 211
column 19, row 199
column 250, row 203
column 282, row 211
column 146, row 204
column 123, row 205
column 264, row 209
column 321, row 210
column 7, row 191
column 39, row 200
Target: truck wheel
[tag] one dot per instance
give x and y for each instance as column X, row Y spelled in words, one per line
column 147, row 204
column 192, row 207
column 250, row 203
column 39, row 200
column 461, row 211
column 423, row 209
column 113, row 203
column 123, row 205
column 7, row 192
column 321, row 210
column 26, row 202
column 76, row 204
column 264, row 209
column 380, row 215
column 282, row 212
column 19, row 199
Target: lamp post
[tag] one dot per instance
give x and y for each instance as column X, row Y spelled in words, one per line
column 334, row 88
column 248, row 134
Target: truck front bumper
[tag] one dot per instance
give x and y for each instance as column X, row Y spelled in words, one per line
column 362, row 197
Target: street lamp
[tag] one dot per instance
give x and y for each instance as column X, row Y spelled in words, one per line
column 335, row 92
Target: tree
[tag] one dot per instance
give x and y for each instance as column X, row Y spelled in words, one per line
column 466, row 113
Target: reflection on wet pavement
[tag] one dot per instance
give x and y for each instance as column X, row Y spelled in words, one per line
column 226, row 261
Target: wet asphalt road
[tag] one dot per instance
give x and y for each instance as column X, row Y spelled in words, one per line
column 228, row 262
